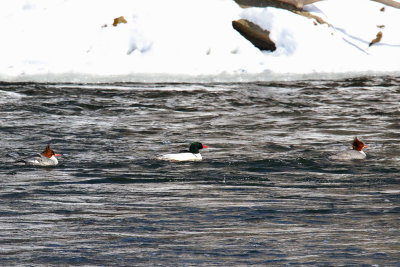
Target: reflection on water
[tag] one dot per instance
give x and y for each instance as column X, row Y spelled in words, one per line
column 264, row 194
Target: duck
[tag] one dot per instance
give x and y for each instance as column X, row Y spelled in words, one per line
column 46, row 158
column 193, row 154
column 355, row 153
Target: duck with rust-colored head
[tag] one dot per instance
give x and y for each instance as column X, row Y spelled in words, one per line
column 355, row 153
column 46, row 158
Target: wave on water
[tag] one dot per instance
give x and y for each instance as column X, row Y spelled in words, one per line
column 265, row 192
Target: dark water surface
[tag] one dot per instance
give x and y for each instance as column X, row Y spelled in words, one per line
column 265, row 193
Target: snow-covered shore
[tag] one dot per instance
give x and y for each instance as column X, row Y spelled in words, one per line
column 192, row 40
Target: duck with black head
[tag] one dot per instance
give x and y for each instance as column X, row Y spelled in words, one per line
column 192, row 155
column 355, row 153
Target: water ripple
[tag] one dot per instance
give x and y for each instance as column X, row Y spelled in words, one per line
column 265, row 193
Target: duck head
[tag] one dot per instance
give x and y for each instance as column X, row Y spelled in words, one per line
column 195, row 147
column 48, row 152
column 358, row 145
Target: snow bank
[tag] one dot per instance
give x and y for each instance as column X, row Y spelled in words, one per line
column 191, row 40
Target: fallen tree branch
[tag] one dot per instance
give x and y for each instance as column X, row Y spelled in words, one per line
column 391, row 3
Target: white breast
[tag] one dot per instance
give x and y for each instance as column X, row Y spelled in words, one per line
column 181, row 157
column 42, row 161
column 349, row 155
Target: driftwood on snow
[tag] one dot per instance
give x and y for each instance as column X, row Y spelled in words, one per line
column 260, row 37
column 285, row 4
column 395, row 4
column 297, row 4
column 255, row 34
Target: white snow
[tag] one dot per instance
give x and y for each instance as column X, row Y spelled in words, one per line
column 191, row 40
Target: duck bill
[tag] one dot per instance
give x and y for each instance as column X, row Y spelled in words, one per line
column 205, row 146
column 57, row 155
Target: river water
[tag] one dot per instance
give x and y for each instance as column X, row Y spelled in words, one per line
column 264, row 194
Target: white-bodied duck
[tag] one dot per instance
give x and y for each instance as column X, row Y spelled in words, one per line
column 46, row 158
column 355, row 153
column 192, row 155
